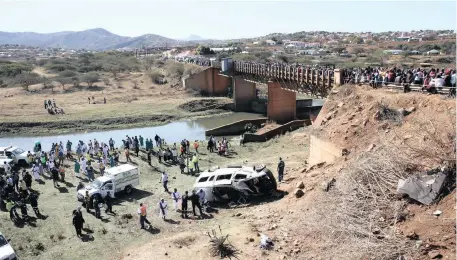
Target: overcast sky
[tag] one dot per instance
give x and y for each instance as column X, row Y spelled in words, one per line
column 223, row 19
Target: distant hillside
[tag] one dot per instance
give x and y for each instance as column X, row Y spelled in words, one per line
column 194, row 37
column 93, row 39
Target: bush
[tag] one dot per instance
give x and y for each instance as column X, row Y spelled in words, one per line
column 90, row 78
column 156, row 76
column 12, row 69
column 176, row 69
column 67, row 74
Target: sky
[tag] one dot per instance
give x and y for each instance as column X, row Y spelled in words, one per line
column 223, row 19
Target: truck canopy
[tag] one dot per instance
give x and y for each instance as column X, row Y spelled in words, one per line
column 120, row 169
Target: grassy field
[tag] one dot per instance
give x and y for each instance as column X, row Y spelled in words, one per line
column 131, row 100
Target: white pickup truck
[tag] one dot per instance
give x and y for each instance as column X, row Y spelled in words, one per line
column 120, row 178
column 18, row 155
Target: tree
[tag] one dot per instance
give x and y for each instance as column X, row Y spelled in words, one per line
column 64, row 80
column 113, row 68
column 90, row 78
column 67, row 74
column 46, row 82
column 204, row 50
column 27, row 78
column 75, row 81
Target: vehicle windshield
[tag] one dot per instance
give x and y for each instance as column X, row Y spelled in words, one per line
column 96, row 184
column 18, row 151
column 3, row 241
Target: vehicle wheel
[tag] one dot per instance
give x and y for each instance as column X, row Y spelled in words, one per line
column 22, row 163
column 128, row 190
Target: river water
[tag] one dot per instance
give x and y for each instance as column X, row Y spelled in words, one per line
column 172, row 132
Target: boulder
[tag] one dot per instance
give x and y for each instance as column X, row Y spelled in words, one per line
column 402, row 111
column 300, row 185
column 371, row 147
column 409, row 110
column 326, row 185
column 435, row 254
column 412, row 235
column 299, row 193
column 329, row 116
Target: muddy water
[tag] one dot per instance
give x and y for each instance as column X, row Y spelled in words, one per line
column 172, row 132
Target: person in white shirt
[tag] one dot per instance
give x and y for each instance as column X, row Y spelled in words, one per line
column 7, row 167
column 83, row 165
column 36, row 174
column 165, row 181
column 439, row 82
column 163, row 208
column 175, row 196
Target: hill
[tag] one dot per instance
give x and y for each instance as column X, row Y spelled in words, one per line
column 92, row 39
column 193, row 37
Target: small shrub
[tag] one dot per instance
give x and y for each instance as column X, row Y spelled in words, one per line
column 135, row 84
column 103, row 230
column 106, row 82
column 156, row 77
column 39, row 246
column 220, row 246
column 176, row 69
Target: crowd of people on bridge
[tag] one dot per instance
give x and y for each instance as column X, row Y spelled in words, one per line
column 430, row 79
column 197, row 60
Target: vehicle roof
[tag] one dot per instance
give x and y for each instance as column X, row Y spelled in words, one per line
column 104, row 178
column 7, row 148
column 120, row 169
column 248, row 170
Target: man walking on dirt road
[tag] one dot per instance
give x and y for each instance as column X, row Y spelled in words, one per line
column 143, row 219
column 281, row 166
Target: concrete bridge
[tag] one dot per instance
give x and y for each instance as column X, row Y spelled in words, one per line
column 283, row 83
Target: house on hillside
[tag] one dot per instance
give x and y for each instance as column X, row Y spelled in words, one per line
column 433, row 52
column 270, row 42
column 393, row 52
column 227, row 49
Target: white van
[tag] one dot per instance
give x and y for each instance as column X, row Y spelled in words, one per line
column 116, row 179
column 6, row 251
column 233, row 182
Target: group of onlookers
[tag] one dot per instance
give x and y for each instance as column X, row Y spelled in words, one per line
column 430, row 79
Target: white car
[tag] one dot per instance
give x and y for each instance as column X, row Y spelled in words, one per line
column 235, row 182
column 18, row 155
column 6, row 251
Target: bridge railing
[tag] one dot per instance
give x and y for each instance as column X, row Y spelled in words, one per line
column 298, row 74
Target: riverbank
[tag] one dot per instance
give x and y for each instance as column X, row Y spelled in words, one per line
column 127, row 106
column 14, row 129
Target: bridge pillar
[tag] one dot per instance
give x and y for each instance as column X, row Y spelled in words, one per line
column 338, row 77
column 282, row 104
column 244, row 92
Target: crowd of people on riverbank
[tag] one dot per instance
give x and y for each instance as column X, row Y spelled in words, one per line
column 92, row 158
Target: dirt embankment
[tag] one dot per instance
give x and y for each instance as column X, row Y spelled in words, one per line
column 12, row 128
column 206, row 104
column 386, row 136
